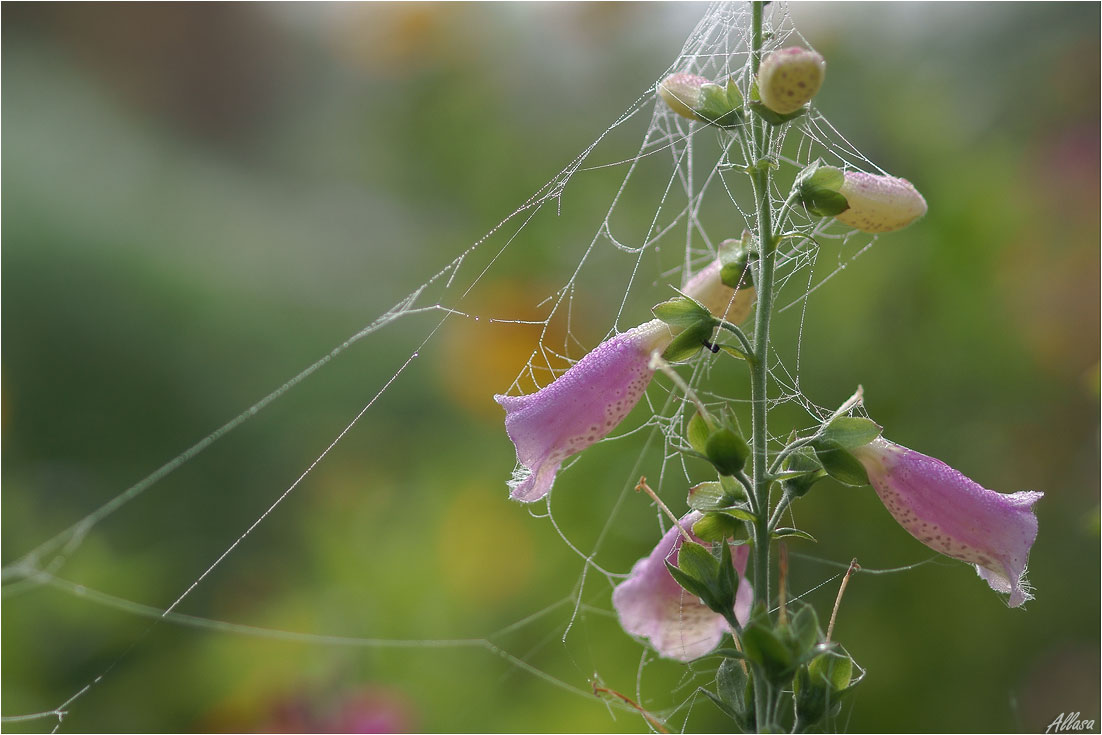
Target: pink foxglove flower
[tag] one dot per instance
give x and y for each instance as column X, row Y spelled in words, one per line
column 652, row 605
column 954, row 515
column 590, row 399
column 879, row 203
column 681, row 92
column 789, row 78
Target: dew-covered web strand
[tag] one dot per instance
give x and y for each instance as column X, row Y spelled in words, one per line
column 30, row 567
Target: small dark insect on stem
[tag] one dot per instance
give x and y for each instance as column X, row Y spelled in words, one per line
column 711, row 346
column 598, row 691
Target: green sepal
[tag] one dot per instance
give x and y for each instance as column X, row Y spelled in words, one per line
column 733, row 352
column 731, row 653
column 823, row 203
column 810, row 701
column 817, row 176
column 682, row 312
column 692, row 586
column 719, row 105
column 727, row 451
column 696, row 561
column 697, row 433
column 817, row 187
column 851, row 432
column 774, row 118
column 689, row 342
column 833, row 669
column 802, row 460
column 763, row 647
column 741, row 514
column 840, row 464
column 709, row 496
column 721, row 704
column 804, row 632
column 787, row 532
column 705, row 576
column 734, row 258
column 716, row 527
column 734, row 96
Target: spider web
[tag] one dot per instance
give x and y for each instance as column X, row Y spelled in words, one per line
column 690, row 177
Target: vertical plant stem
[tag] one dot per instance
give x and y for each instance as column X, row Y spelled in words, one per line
column 759, row 369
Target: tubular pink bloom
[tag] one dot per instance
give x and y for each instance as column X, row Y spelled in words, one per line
column 956, row 516
column 789, row 78
column 580, row 408
column 879, row 203
column 681, row 92
column 590, row 399
column 652, row 605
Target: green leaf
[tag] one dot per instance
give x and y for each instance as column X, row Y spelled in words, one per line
column 682, row 312
column 840, row 464
column 688, row 343
column 697, row 433
column 731, row 684
column 710, row 496
column 716, row 527
column 742, row 515
column 851, row 432
column 774, row 118
column 727, row 451
column 787, row 532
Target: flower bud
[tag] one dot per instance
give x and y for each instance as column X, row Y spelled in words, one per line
column 879, row 203
column 681, row 92
column 789, row 78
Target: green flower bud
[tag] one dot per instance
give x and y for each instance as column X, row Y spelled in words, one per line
column 789, row 78
column 681, row 92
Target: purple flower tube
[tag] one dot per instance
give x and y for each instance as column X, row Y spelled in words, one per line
column 955, row 515
column 651, row 604
column 590, row 399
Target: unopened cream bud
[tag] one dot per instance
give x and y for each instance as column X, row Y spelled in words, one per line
column 879, row 203
column 789, row 78
column 681, row 92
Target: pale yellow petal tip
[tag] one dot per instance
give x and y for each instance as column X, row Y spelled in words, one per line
column 789, row 78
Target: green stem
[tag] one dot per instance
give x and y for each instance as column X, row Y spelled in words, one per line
column 759, row 368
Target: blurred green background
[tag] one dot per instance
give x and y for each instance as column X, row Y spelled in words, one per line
column 201, row 200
